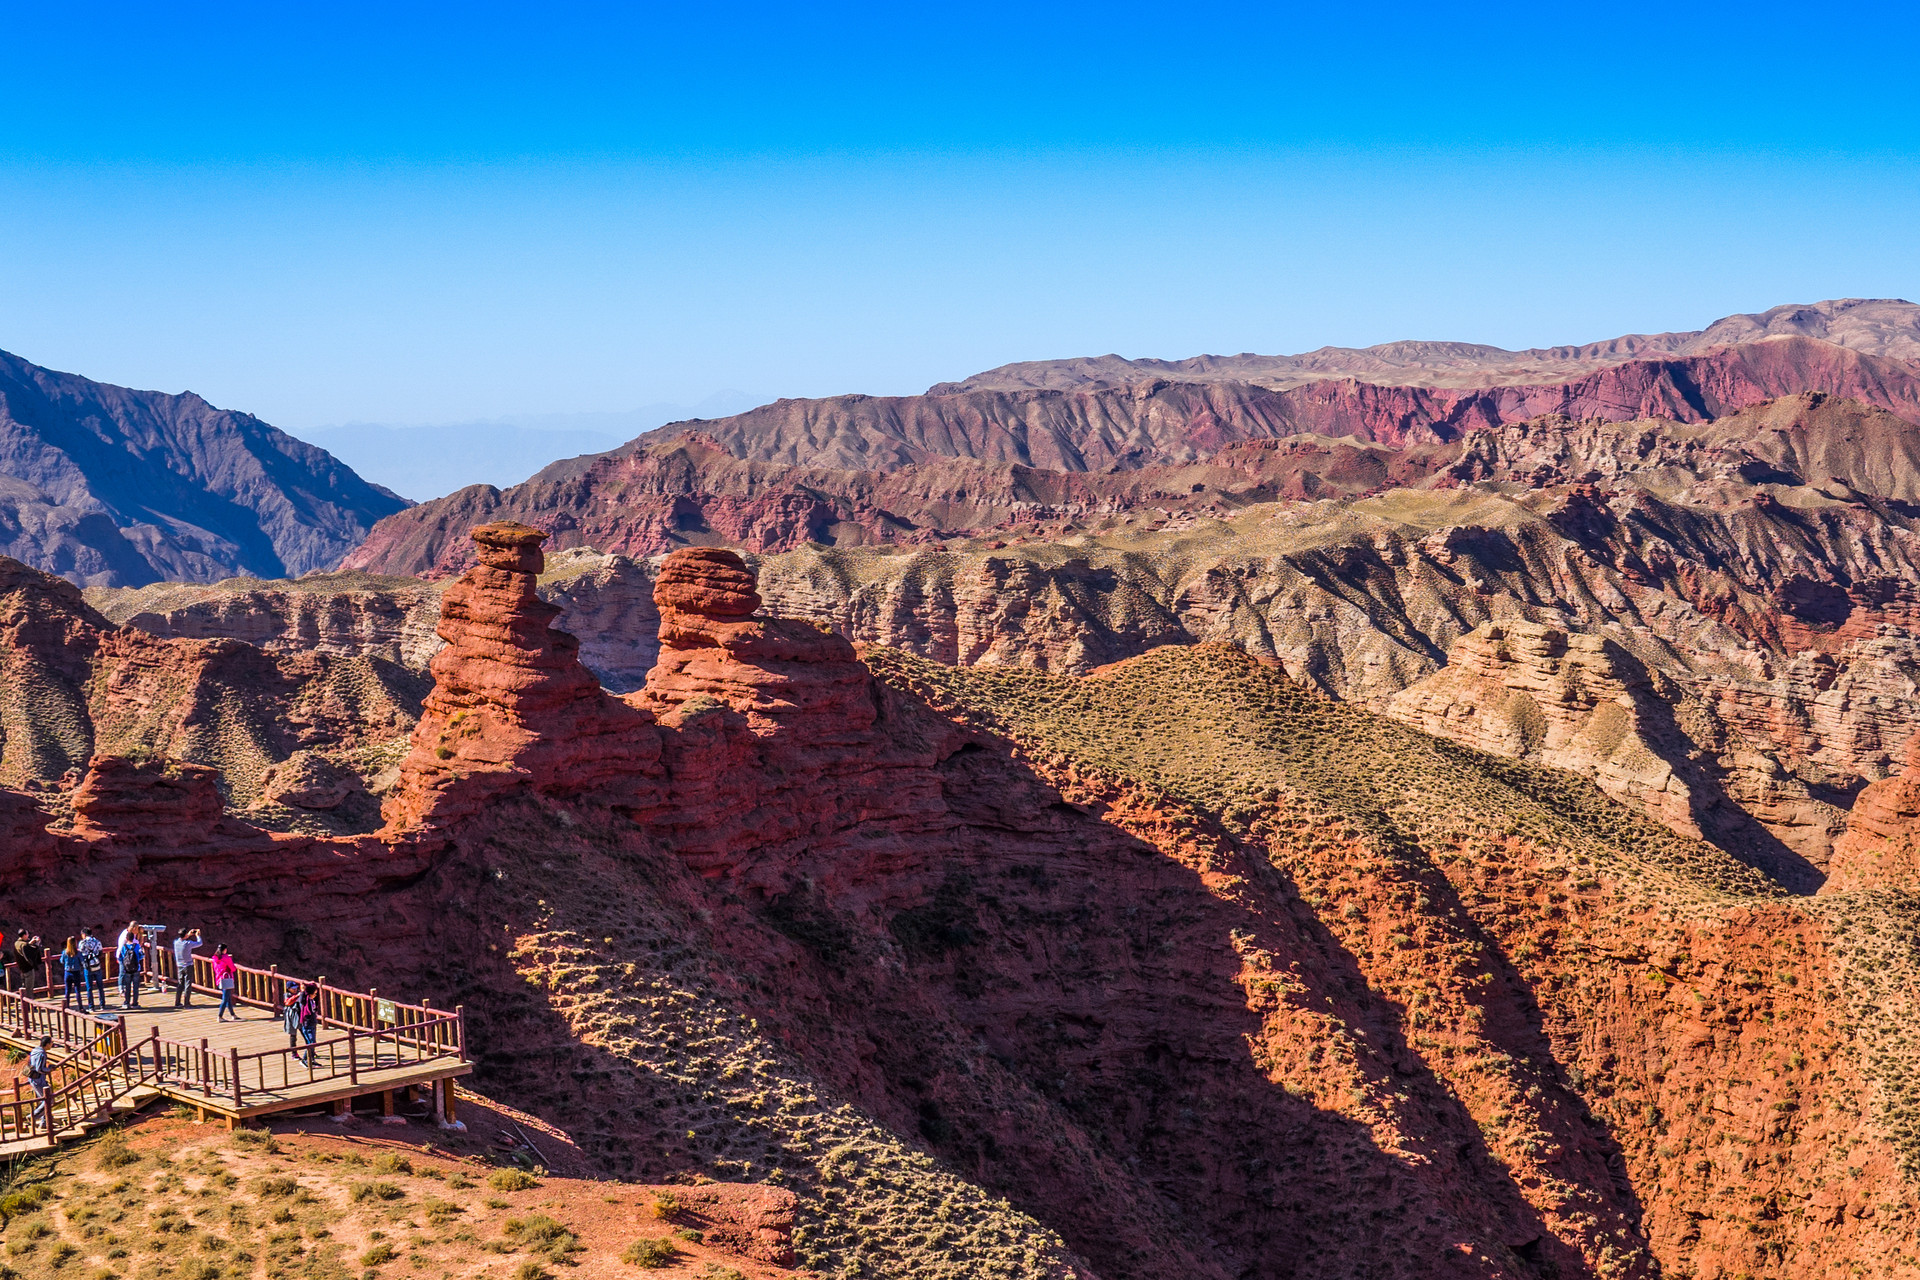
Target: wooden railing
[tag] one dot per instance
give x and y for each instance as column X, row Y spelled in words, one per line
column 79, row 1090
column 379, row 1035
column 242, row 1079
column 95, row 1035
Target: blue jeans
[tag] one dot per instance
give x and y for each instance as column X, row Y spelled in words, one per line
column 226, row 1003
column 73, row 985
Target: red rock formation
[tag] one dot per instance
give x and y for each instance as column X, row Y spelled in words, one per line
column 148, row 802
column 752, row 1221
column 511, row 704
column 1881, row 846
column 774, row 671
column 72, row 686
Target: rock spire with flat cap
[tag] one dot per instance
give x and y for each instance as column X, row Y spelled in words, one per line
column 511, row 703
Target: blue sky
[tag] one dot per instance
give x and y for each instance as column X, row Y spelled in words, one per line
column 413, row 213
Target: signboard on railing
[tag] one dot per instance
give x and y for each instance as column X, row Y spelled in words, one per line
column 383, row 1012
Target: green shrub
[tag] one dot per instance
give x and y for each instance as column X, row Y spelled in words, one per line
column 378, row 1255
column 511, row 1180
column 391, row 1163
column 529, row 1270
column 280, row 1186
column 543, row 1235
column 25, row 1200
column 112, row 1151
column 439, row 1211
column 374, row 1191
column 652, row 1255
column 665, row 1206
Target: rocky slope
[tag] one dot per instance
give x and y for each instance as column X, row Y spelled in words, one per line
column 112, row 487
column 1177, row 969
column 347, row 614
column 1754, row 576
column 295, row 734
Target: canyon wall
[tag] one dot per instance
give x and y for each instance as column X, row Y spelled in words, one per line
column 1177, row 969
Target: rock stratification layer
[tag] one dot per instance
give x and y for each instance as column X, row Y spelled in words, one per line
column 511, row 702
column 1174, row 969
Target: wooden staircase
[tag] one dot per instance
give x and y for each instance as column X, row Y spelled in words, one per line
column 92, row 1087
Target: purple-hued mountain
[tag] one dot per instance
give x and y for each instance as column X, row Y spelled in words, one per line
column 107, row 486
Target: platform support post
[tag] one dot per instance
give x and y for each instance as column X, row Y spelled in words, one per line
column 342, row 1106
column 452, row 1113
column 386, row 1102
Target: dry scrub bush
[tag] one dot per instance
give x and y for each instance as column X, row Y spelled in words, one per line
column 511, row 1180
column 650, row 1255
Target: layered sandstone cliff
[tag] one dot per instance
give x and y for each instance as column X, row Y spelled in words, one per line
column 1174, row 970
column 511, row 703
column 73, row 686
column 345, row 614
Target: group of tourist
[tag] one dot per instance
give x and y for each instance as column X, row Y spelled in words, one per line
column 82, row 963
column 83, row 971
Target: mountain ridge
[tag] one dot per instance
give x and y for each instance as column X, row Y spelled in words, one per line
column 111, row 486
column 1886, row 327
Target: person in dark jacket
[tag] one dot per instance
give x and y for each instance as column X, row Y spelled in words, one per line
column 129, row 956
column 40, row 1076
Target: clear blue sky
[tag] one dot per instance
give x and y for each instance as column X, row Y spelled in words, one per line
column 324, row 213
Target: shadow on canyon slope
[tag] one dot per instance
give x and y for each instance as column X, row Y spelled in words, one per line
column 1051, row 1006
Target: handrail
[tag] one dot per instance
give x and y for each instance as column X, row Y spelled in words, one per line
column 379, row 1035
column 266, row 989
column 228, row 1078
column 339, row 1007
column 82, row 1096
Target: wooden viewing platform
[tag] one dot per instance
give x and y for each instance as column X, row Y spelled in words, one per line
column 106, row 1062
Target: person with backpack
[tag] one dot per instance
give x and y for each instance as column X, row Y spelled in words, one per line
column 183, row 948
column 226, row 976
column 93, row 961
column 129, row 956
column 306, row 1016
column 40, row 1076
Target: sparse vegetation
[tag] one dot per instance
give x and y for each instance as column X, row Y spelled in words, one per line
column 651, row 1255
column 512, row 1180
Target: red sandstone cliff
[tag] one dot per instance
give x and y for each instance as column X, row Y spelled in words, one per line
column 511, row 702
column 1207, row 975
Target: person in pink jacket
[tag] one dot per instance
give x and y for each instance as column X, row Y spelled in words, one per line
column 226, row 976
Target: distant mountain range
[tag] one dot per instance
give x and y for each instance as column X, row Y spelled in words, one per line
column 1885, row 327
column 111, row 487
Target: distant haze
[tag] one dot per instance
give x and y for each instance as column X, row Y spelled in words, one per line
column 430, row 460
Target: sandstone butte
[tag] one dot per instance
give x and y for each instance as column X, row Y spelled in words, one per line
column 1176, row 969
